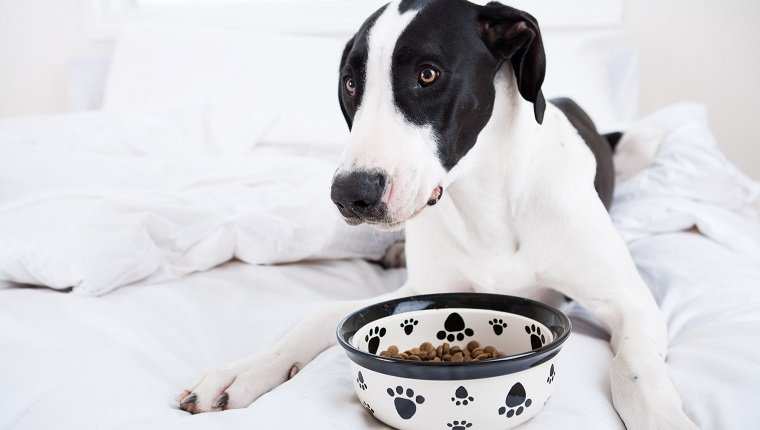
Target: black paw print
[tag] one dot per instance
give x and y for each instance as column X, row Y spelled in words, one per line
column 459, row 425
column 454, row 329
column 408, row 325
column 550, row 379
column 360, row 381
column 462, row 397
column 498, row 326
column 405, row 406
column 537, row 340
column 373, row 339
column 368, row 408
column 516, row 401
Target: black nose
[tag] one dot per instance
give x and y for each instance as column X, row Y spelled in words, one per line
column 357, row 194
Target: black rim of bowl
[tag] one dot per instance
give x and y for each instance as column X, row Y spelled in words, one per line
column 556, row 321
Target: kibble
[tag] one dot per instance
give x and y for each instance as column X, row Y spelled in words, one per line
column 444, row 353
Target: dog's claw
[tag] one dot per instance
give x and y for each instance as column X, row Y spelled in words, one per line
column 192, row 398
column 221, row 401
column 182, row 395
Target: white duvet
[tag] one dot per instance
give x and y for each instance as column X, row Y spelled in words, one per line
column 84, row 206
column 99, row 200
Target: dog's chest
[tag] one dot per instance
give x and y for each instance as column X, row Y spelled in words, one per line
column 480, row 247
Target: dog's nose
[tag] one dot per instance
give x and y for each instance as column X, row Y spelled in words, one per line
column 358, row 194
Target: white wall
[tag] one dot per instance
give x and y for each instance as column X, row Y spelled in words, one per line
column 707, row 51
column 37, row 37
column 698, row 50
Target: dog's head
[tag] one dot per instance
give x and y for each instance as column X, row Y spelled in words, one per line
column 416, row 88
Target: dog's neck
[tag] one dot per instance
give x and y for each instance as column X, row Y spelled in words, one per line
column 503, row 148
column 488, row 180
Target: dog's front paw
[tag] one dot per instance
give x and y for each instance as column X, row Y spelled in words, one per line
column 237, row 384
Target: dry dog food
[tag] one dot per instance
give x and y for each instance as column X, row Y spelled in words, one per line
column 445, row 352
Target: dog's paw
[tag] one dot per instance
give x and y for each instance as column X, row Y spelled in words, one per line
column 236, row 385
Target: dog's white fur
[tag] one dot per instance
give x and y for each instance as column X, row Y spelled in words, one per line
column 520, row 216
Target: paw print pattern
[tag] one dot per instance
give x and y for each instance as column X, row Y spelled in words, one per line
column 462, row 397
column 405, row 402
column 517, row 401
column 373, row 339
column 368, row 408
column 498, row 326
column 537, row 340
column 408, row 325
column 360, row 381
column 459, row 425
column 454, row 329
column 550, row 379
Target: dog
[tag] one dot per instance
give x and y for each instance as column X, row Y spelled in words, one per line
column 498, row 192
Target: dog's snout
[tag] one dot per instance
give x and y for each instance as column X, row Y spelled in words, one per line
column 358, row 194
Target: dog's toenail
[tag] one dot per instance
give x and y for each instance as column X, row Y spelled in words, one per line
column 192, row 398
column 221, row 401
column 182, row 395
column 293, row 371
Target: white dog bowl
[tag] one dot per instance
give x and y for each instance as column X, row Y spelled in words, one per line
column 494, row 394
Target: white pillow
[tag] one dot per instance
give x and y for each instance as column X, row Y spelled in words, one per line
column 596, row 70
column 281, row 89
column 259, row 87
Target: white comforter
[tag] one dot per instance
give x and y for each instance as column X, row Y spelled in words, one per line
column 117, row 361
column 95, row 201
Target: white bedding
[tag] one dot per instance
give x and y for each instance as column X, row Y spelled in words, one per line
column 117, row 361
column 99, row 200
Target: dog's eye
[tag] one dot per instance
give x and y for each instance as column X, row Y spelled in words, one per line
column 350, row 85
column 428, row 76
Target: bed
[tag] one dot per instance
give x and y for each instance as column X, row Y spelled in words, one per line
column 187, row 223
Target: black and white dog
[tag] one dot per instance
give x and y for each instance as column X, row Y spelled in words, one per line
column 446, row 95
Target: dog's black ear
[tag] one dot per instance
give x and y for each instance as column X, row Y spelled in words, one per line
column 513, row 35
column 343, row 59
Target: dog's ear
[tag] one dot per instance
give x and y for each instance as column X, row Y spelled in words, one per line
column 343, row 59
column 513, row 35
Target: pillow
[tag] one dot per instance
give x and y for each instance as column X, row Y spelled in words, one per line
column 596, row 70
column 259, row 87
column 281, row 89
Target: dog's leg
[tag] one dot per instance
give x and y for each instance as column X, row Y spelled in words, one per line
column 239, row 383
column 599, row 273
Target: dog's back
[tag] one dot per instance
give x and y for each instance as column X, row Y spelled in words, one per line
column 602, row 147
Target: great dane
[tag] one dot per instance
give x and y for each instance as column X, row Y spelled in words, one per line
column 498, row 190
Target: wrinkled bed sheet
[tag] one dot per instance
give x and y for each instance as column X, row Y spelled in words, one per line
column 118, row 361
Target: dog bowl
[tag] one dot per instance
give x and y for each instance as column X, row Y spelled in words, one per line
column 495, row 394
